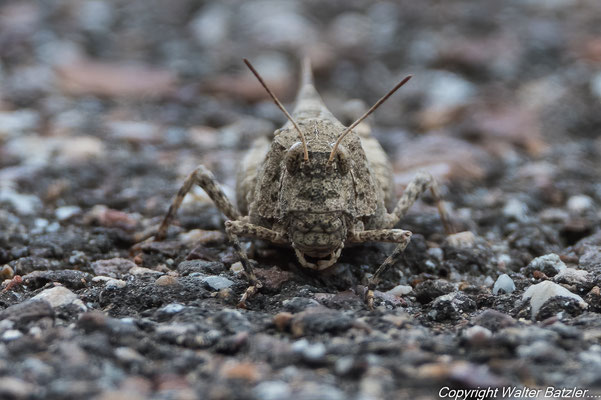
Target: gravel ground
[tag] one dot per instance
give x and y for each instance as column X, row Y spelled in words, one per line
column 105, row 107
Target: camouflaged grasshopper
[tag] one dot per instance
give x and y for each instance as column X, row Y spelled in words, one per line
column 317, row 187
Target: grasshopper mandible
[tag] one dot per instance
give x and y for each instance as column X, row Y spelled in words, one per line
column 316, row 187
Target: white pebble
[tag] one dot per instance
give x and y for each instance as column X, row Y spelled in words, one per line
column 272, row 390
column 579, row 203
column 572, row 275
column 66, row 212
column 515, row 209
column 477, row 332
column 11, row 334
column 504, row 283
column 400, row 290
column 143, row 271
column 552, row 259
column 59, row 296
column 172, row 308
column 24, row 204
column 464, row 239
column 540, row 293
column 237, row 268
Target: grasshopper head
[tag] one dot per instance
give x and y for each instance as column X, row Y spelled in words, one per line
column 316, row 200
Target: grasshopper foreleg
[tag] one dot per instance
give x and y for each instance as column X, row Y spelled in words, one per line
column 241, row 228
column 400, row 236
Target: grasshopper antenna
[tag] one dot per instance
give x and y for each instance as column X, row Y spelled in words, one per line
column 372, row 109
column 281, row 107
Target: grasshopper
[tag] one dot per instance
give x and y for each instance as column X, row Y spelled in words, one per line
column 317, row 187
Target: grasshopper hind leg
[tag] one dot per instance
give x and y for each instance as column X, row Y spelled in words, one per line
column 422, row 182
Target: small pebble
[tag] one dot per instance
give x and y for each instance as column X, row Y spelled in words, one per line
column 272, row 390
column 477, row 334
column 110, row 283
column 550, row 264
column 217, row 282
column 504, row 284
column 590, row 259
column 128, row 354
column 66, row 212
column 311, row 352
column 59, row 296
column 461, row 239
column 14, row 123
column 515, row 209
column 225, row 293
column 200, row 266
column 572, row 276
column 400, row 290
column 11, row 334
column 15, row 388
column 244, row 371
column 166, row 280
column 237, row 267
column 143, row 271
column 579, row 203
column 24, row 204
column 446, row 89
column 6, row 273
column 114, row 267
column 172, row 308
column 282, row 320
column 540, row 293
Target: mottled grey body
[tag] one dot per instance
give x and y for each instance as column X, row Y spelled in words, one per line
column 265, row 191
column 316, row 205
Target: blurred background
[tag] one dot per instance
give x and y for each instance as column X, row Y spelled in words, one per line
column 105, row 107
column 113, row 102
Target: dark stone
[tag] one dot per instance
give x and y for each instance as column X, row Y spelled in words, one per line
column 451, row 307
column 114, row 267
column 493, row 320
column 232, row 321
column 473, row 259
column 536, row 240
column 72, row 279
column 427, row 291
column 590, row 260
column 318, row 320
column 28, row 311
column 26, row 265
column 204, row 267
column 298, row 304
column 557, row 305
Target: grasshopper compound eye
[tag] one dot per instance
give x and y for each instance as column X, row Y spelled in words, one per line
column 294, row 157
column 342, row 160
